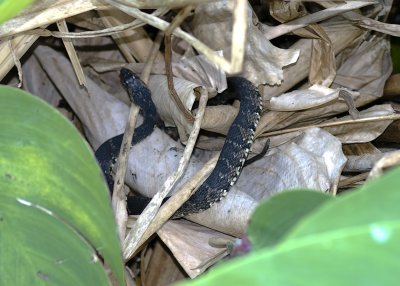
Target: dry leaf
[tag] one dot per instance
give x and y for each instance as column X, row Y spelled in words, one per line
column 166, row 106
column 314, row 96
column 363, row 132
column 102, row 115
column 189, row 244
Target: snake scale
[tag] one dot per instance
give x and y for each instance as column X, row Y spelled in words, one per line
column 232, row 157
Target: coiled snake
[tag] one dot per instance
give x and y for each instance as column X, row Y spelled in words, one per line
column 233, row 154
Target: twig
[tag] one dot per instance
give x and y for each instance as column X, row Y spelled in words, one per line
column 386, row 161
column 90, row 34
column 119, row 197
column 151, row 4
column 336, row 123
column 17, row 63
column 62, row 26
column 168, row 66
column 353, row 179
column 148, row 222
column 313, row 18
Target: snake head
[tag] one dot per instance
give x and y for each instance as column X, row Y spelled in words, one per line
column 128, row 77
column 137, row 89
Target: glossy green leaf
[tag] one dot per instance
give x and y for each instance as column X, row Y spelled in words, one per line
column 10, row 8
column 275, row 217
column 352, row 240
column 55, row 210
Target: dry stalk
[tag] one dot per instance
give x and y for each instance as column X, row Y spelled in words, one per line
column 62, row 26
column 148, row 223
column 119, row 197
column 92, row 34
column 389, row 160
column 20, row 44
column 168, row 65
column 330, row 124
column 316, row 17
column 17, row 63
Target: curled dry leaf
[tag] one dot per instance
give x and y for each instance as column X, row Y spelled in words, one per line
column 219, row 118
column 200, row 70
column 166, row 106
column 189, row 244
column 212, row 24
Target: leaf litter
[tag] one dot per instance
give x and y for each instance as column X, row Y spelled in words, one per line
column 306, row 121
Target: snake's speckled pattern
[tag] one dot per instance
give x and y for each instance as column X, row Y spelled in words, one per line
column 233, row 155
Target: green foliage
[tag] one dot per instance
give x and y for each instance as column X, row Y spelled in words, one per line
column 349, row 240
column 278, row 215
column 395, row 52
column 10, row 8
column 55, row 212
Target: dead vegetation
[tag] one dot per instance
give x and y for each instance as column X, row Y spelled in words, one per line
column 325, row 109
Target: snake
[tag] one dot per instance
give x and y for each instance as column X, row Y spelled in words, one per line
column 232, row 158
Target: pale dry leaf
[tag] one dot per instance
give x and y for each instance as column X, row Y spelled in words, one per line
column 313, row 160
column 263, row 63
column 38, row 84
column 103, row 116
column 153, row 160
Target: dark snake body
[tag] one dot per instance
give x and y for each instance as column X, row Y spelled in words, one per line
column 233, row 154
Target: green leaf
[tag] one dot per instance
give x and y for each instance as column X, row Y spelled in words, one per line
column 352, row 240
column 275, row 217
column 395, row 53
column 55, row 210
column 10, row 8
